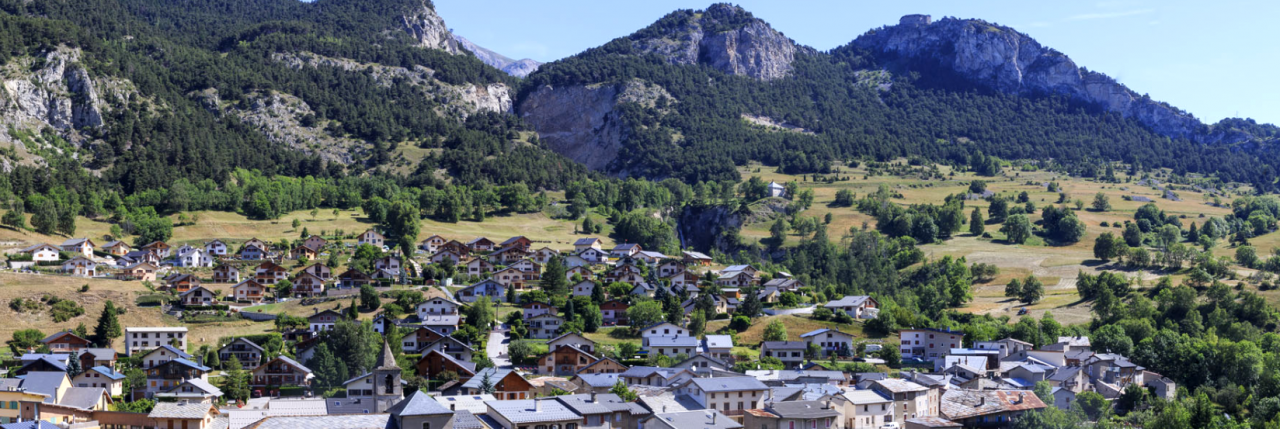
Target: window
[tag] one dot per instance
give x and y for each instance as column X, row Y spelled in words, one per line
column 791, row 425
column 426, row 425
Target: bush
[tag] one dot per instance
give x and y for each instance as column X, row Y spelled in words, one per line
column 289, row 391
column 721, row 316
column 740, row 323
column 152, row 300
column 65, row 310
column 822, row 313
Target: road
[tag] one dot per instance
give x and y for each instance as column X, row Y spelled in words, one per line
column 497, row 348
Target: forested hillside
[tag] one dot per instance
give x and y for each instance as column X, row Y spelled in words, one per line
column 847, row 103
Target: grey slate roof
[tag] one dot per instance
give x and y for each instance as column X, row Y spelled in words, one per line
column 44, row 382
column 697, row 419
column 791, row 375
column 37, row 424
column 181, row 410
column 604, row 403
column 599, row 380
column 522, row 411
column 494, row 376
column 418, row 404
column 463, row 419
column 470, row 403
column 84, row 398
column 823, row 330
column 674, row 341
column 100, row 353
column 62, row 365
column 848, row 301
column 200, row 384
column 719, row 341
column 784, row 345
column 865, row 397
column 338, row 421
column 728, row 384
column 803, row 410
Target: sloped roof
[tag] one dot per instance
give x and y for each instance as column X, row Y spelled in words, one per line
column 599, row 380
column 865, row 397
column 418, row 404
column 848, row 301
column 728, row 384
column 181, row 410
column 823, row 330
column 696, row 419
column 959, row 404
column 523, row 411
column 84, row 398
column 719, row 341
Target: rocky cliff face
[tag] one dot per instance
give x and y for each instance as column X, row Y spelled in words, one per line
column 517, row 68
column 458, row 101
column 52, row 90
column 279, row 117
column 1008, row 61
column 582, row 122
column 428, row 28
column 725, row 37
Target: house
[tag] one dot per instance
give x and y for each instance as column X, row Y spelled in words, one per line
column 604, row 410
column 37, row 362
column 791, row 353
column 434, row 362
column 138, row 256
column 143, row 271
column 117, row 248
column 446, row 255
column 456, row 247
column 572, row 339
column 255, row 242
column 670, row 268
column 437, row 305
column 180, row 282
column 527, row 266
column 353, row 278
column 663, row 329
column 147, row 338
column 910, row 400
column 654, row 376
column 389, row 263
column 480, row 244
column 269, row 273
column 226, row 274
column 674, row 345
column 650, row 257
column 1113, row 369
column 718, row 346
column 319, row 270
column 198, row 296
column 988, row 408
column 507, row 384
column 544, row 326
column 488, row 288
column 580, row 271
column 161, row 355
column 185, row 414
column 929, row 343
column 248, row 353
column 584, row 288
column 793, row 414
column 582, row 244
column 323, row 320
column 308, row 285
column 594, row 256
column 451, row 347
column 91, row 357
column 863, row 409
column 615, row 312
column 776, row 190
column 251, row 252
column 736, row 279
column 193, row 258
column 161, row 248
column 479, row 267
column 80, row 266
column 249, row 291
column 594, row 382
column 701, row 419
column 432, row 244
column 575, row 261
column 534, row 309
column 691, row 258
column 65, row 342
column 832, row 341
column 508, row 255
column 731, row 395
column 444, row 323
column 624, row 273
column 522, row 242
column 1005, row 347
column 315, row 242
column 281, row 371
column 193, row 390
column 103, row 377
column 532, row 413
column 603, row 366
column 702, row 364
column 563, row 360
column 168, row 374
column 372, row 238
column 43, row 252
column 418, row 339
column 82, row 246
column 786, row 285
column 625, row 250
column 304, row 252
column 544, row 255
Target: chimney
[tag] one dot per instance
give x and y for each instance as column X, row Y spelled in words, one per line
column 593, row 397
column 315, row 311
column 713, row 417
column 1020, row 398
column 537, row 406
column 664, row 408
column 982, row 400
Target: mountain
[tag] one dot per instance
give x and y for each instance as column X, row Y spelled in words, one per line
column 517, row 68
column 698, row 93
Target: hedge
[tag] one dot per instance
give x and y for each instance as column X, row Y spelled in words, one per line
column 215, row 307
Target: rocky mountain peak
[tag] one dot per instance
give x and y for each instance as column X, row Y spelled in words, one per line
column 428, row 28
column 1008, row 61
column 517, row 68
column 723, row 36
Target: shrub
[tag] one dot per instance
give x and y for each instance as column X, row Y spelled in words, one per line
column 65, row 310
column 822, row 313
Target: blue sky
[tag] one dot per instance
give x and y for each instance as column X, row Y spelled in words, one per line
column 1213, row 59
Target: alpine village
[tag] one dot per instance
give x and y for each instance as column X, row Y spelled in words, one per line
column 338, row 214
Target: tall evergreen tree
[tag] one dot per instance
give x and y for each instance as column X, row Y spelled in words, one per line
column 976, row 225
column 554, row 282
column 108, row 328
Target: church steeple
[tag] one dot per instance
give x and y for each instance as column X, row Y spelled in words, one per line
column 386, row 360
column 387, row 390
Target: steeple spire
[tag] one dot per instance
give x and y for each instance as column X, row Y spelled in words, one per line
column 386, row 360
